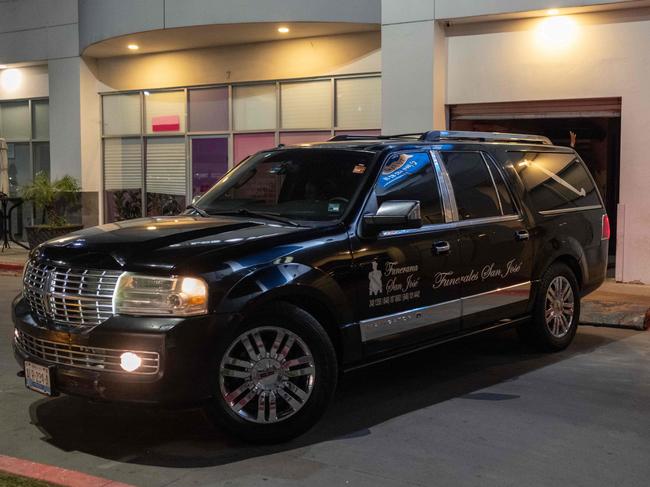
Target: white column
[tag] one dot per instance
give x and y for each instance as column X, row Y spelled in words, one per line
column 65, row 105
column 75, row 137
column 414, row 65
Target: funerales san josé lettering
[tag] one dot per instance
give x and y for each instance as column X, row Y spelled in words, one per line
column 490, row 271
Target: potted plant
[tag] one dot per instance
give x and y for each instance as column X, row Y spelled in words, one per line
column 53, row 198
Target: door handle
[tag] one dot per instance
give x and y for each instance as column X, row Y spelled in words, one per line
column 442, row 247
column 522, row 235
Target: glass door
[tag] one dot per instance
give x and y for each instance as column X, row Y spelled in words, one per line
column 209, row 156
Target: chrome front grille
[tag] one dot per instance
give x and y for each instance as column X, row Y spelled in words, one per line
column 104, row 359
column 78, row 298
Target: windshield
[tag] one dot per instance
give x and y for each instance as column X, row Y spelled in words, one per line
column 297, row 184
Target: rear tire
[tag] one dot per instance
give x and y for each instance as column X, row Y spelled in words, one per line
column 556, row 312
column 281, row 365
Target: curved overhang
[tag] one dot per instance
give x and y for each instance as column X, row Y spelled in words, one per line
column 219, row 22
column 196, row 37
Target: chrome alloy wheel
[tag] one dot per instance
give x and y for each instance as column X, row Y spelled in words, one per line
column 559, row 307
column 267, row 374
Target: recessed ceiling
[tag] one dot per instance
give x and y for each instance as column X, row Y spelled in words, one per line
column 218, row 35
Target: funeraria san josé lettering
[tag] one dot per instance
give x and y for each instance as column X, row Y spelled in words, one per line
column 490, row 271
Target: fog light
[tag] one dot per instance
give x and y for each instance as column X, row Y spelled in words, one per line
column 129, row 361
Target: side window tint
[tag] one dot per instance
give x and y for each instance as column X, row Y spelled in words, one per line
column 556, row 181
column 475, row 194
column 410, row 177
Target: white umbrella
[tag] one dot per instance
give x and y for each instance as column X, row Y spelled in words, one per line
column 4, row 168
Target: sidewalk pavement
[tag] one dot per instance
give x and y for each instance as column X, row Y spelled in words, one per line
column 616, row 304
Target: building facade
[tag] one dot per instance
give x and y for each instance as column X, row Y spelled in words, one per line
column 148, row 102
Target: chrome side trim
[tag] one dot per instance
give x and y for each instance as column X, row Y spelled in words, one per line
column 496, row 298
column 382, row 326
column 570, row 210
column 436, row 342
column 447, row 204
column 447, row 182
column 491, row 219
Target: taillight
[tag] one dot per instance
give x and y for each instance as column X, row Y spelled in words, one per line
column 606, row 231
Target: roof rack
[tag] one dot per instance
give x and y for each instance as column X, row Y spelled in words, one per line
column 438, row 135
column 339, row 138
column 441, row 135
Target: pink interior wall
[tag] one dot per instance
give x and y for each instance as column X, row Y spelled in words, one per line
column 292, row 138
column 248, row 144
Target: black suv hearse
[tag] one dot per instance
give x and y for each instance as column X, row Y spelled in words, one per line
column 305, row 261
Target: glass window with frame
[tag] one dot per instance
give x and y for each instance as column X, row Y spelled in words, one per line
column 166, row 175
column 14, row 120
column 410, row 176
column 164, row 112
column 556, row 181
column 358, row 103
column 121, row 114
column 306, row 104
column 123, row 178
column 254, row 107
column 476, row 196
column 208, row 109
column 40, row 119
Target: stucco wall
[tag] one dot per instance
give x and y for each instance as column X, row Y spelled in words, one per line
column 504, row 61
column 33, row 83
column 37, row 30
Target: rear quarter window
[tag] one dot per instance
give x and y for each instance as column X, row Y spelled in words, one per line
column 556, row 181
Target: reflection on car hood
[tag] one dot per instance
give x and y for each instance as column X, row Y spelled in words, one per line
column 161, row 243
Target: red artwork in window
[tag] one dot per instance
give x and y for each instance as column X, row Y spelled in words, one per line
column 166, row 123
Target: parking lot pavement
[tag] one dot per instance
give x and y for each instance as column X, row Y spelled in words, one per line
column 477, row 412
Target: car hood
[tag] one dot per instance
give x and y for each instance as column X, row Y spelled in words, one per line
column 164, row 244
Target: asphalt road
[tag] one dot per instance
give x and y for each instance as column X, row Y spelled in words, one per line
column 477, row 412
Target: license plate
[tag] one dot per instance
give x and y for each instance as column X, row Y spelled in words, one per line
column 38, row 378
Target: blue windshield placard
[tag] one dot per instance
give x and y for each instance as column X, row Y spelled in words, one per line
column 400, row 167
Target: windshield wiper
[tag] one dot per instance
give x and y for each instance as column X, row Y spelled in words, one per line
column 258, row 214
column 200, row 211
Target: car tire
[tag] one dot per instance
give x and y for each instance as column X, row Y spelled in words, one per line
column 556, row 311
column 296, row 387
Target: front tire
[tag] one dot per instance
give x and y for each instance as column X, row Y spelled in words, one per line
column 275, row 375
column 556, row 311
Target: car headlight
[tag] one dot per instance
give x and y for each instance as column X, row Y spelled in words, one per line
column 137, row 294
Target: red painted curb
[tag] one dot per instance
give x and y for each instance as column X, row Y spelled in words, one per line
column 6, row 266
column 53, row 475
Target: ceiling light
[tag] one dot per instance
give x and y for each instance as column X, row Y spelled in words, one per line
column 283, row 30
column 10, row 79
column 133, row 47
column 552, row 11
column 557, row 33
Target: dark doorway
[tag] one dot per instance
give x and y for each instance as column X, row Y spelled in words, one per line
column 597, row 140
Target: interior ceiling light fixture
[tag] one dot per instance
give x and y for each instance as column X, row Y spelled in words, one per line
column 10, row 79
column 283, row 30
column 552, row 11
column 557, row 34
column 133, row 47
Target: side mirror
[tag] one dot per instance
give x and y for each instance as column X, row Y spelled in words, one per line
column 392, row 215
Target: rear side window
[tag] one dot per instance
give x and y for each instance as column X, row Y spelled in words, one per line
column 410, row 176
column 476, row 196
column 556, row 181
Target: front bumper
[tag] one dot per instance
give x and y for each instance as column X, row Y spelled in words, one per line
column 185, row 348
